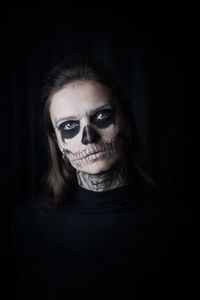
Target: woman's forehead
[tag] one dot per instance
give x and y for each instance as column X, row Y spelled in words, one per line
column 80, row 98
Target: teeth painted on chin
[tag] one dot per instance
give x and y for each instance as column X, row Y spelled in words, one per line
column 70, row 156
column 83, row 155
column 77, row 165
column 92, row 157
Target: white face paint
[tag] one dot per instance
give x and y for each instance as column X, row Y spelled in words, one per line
column 87, row 125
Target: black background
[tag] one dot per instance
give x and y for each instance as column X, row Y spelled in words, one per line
column 150, row 49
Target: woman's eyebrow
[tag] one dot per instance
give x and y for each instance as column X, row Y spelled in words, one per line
column 65, row 119
column 91, row 112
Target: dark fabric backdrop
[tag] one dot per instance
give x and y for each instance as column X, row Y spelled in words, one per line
column 147, row 52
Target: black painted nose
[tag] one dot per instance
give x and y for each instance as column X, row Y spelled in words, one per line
column 89, row 135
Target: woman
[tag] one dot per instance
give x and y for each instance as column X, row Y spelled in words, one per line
column 89, row 130
column 98, row 229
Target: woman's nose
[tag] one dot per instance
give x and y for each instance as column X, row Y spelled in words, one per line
column 90, row 135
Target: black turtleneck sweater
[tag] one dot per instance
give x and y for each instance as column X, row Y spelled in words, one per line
column 120, row 242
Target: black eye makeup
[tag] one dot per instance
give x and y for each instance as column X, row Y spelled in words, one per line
column 101, row 119
column 69, row 129
column 104, row 118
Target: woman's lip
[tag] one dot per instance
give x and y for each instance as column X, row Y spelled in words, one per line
column 90, row 154
column 94, row 153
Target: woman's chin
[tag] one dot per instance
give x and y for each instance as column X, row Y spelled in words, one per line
column 98, row 166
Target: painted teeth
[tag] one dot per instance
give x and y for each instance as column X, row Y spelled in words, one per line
column 70, row 156
column 82, row 156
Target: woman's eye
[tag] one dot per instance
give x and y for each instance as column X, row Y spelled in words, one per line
column 103, row 115
column 69, row 125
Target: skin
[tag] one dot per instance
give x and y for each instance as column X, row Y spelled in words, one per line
column 87, row 120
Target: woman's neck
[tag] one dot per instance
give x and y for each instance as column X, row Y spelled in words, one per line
column 107, row 180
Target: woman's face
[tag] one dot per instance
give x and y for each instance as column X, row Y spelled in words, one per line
column 87, row 125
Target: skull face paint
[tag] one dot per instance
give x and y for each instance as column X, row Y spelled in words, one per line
column 68, row 132
column 88, row 126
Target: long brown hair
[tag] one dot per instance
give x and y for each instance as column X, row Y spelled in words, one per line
column 62, row 176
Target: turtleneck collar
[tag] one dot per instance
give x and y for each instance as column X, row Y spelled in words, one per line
column 83, row 198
